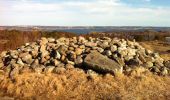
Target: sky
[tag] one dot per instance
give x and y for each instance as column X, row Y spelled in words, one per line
column 85, row 12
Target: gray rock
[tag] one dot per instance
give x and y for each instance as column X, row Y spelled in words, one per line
column 51, row 40
column 39, row 69
column 108, row 53
column 103, row 44
column 100, row 49
column 69, row 66
column 78, row 51
column 3, row 53
column 142, row 58
column 56, row 62
column 15, row 71
column 62, row 49
column 35, row 63
column 78, row 60
column 1, row 65
column 164, row 71
column 132, row 62
column 98, row 62
column 70, row 62
column 26, row 57
column 59, row 70
column 167, row 64
column 92, row 74
column 113, row 48
column 149, row 64
column 120, row 61
column 58, row 56
column 43, row 41
column 19, row 61
column 90, row 44
column 49, row 69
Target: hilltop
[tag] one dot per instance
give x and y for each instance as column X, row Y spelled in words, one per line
column 82, row 68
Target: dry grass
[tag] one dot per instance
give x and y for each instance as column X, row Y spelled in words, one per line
column 75, row 84
column 158, row 46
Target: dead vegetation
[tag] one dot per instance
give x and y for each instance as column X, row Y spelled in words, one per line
column 75, row 84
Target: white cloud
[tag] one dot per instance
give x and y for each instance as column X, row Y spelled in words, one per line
column 74, row 12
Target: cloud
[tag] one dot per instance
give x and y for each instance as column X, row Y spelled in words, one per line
column 80, row 12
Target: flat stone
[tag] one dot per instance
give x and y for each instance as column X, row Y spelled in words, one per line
column 98, row 62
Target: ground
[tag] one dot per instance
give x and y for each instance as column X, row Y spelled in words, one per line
column 76, row 84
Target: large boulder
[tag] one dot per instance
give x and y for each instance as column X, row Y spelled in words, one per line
column 101, row 63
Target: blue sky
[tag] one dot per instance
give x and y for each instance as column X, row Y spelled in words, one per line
column 85, row 12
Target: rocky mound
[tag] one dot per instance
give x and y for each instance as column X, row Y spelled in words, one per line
column 103, row 55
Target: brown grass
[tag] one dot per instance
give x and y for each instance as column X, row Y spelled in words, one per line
column 75, row 84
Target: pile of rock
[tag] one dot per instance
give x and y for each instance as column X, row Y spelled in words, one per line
column 104, row 55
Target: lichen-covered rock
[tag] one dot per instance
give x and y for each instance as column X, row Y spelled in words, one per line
column 111, row 55
column 98, row 62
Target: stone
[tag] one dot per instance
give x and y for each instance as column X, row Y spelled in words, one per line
column 14, row 54
column 108, row 53
column 131, row 52
column 111, row 56
column 3, row 53
column 119, row 61
column 19, row 61
column 70, row 62
column 58, row 56
column 51, row 40
column 103, row 44
column 63, row 57
column 49, row 69
column 1, row 65
column 71, row 55
column 35, row 63
column 59, row 70
column 78, row 51
column 132, row 62
column 82, row 47
column 142, row 58
column 26, row 57
column 39, row 69
column 81, row 39
column 34, row 53
column 61, row 65
column 113, row 48
column 92, row 74
column 164, row 71
column 90, row 44
column 43, row 41
column 62, row 49
column 98, row 62
column 167, row 64
column 78, row 60
column 15, row 71
column 69, row 66
column 149, row 64
column 71, row 48
column 100, row 50
column 56, row 62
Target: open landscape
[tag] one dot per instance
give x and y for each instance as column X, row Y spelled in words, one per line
column 77, row 79
column 84, row 50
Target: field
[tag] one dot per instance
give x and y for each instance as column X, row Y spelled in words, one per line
column 76, row 84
